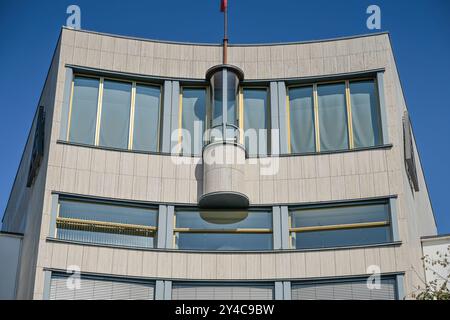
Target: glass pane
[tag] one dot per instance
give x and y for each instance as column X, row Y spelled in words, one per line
column 224, row 241
column 302, row 120
column 217, row 106
column 343, row 289
column 217, row 220
column 107, row 213
column 223, row 219
column 146, row 118
column 115, row 119
column 232, row 87
column 84, row 110
column 332, row 117
column 365, row 114
column 193, row 119
column 340, row 215
column 344, row 237
column 255, row 121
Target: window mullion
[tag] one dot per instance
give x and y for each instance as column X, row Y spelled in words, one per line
column 180, row 121
column 241, row 115
column 349, row 114
column 288, row 116
column 316, row 117
column 70, row 108
column 99, row 111
column 132, row 106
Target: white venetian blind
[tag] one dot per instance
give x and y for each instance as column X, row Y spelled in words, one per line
column 344, row 290
column 221, row 292
column 100, row 289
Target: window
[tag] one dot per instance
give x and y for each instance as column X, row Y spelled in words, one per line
column 408, row 146
column 301, row 116
column 115, row 114
column 193, row 119
column 37, row 152
column 100, row 288
column 223, row 230
column 83, row 111
column 256, row 120
column 344, row 289
column 336, row 226
column 365, row 114
column 103, row 223
column 221, row 291
column 146, row 118
column 334, row 116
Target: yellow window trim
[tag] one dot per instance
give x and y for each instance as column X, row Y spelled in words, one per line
column 132, row 110
column 239, row 230
column 341, row 226
column 103, row 226
column 100, row 105
column 349, row 114
column 70, row 108
column 316, row 117
column 99, row 112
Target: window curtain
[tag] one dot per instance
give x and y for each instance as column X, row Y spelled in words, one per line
column 96, row 288
column 332, row 117
column 317, row 217
column 193, row 119
column 256, row 121
column 302, row 120
column 348, row 289
column 217, row 220
column 365, row 114
column 84, row 110
column 193, row 291
column 107, row 213
column 146, row 118
column 115, row 118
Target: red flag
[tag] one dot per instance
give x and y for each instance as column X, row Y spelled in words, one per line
column 223, row 5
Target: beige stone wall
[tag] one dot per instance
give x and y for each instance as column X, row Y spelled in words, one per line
column 341, row 176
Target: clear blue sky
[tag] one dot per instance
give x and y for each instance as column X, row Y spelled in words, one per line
column 420, row 31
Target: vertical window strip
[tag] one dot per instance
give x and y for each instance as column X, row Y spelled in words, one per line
column 316, row 116
column 131, row 126
column 99, row 111
column 288, row 117
column 180, row 119
column 70, row 108
column 349, row 114
column 241, row 115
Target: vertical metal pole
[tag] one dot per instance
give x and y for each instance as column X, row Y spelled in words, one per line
column 224, row 103
column 225, row 35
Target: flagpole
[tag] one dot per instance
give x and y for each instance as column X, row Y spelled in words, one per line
column 225, row 34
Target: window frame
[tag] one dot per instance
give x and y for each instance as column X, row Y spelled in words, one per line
column 316, row 107
column 347, row 279
column 346, row 226
column 208, row 112
column 235, row 231
column 241, row 115
column 134, row 84
column 152, row 231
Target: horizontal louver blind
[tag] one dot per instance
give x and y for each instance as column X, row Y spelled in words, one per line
column 345, row 290
column 100, row 289
column 221, row 292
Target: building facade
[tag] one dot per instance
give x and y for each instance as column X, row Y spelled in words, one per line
column 118, row 195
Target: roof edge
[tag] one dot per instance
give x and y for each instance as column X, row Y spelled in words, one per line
column 230, row 44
